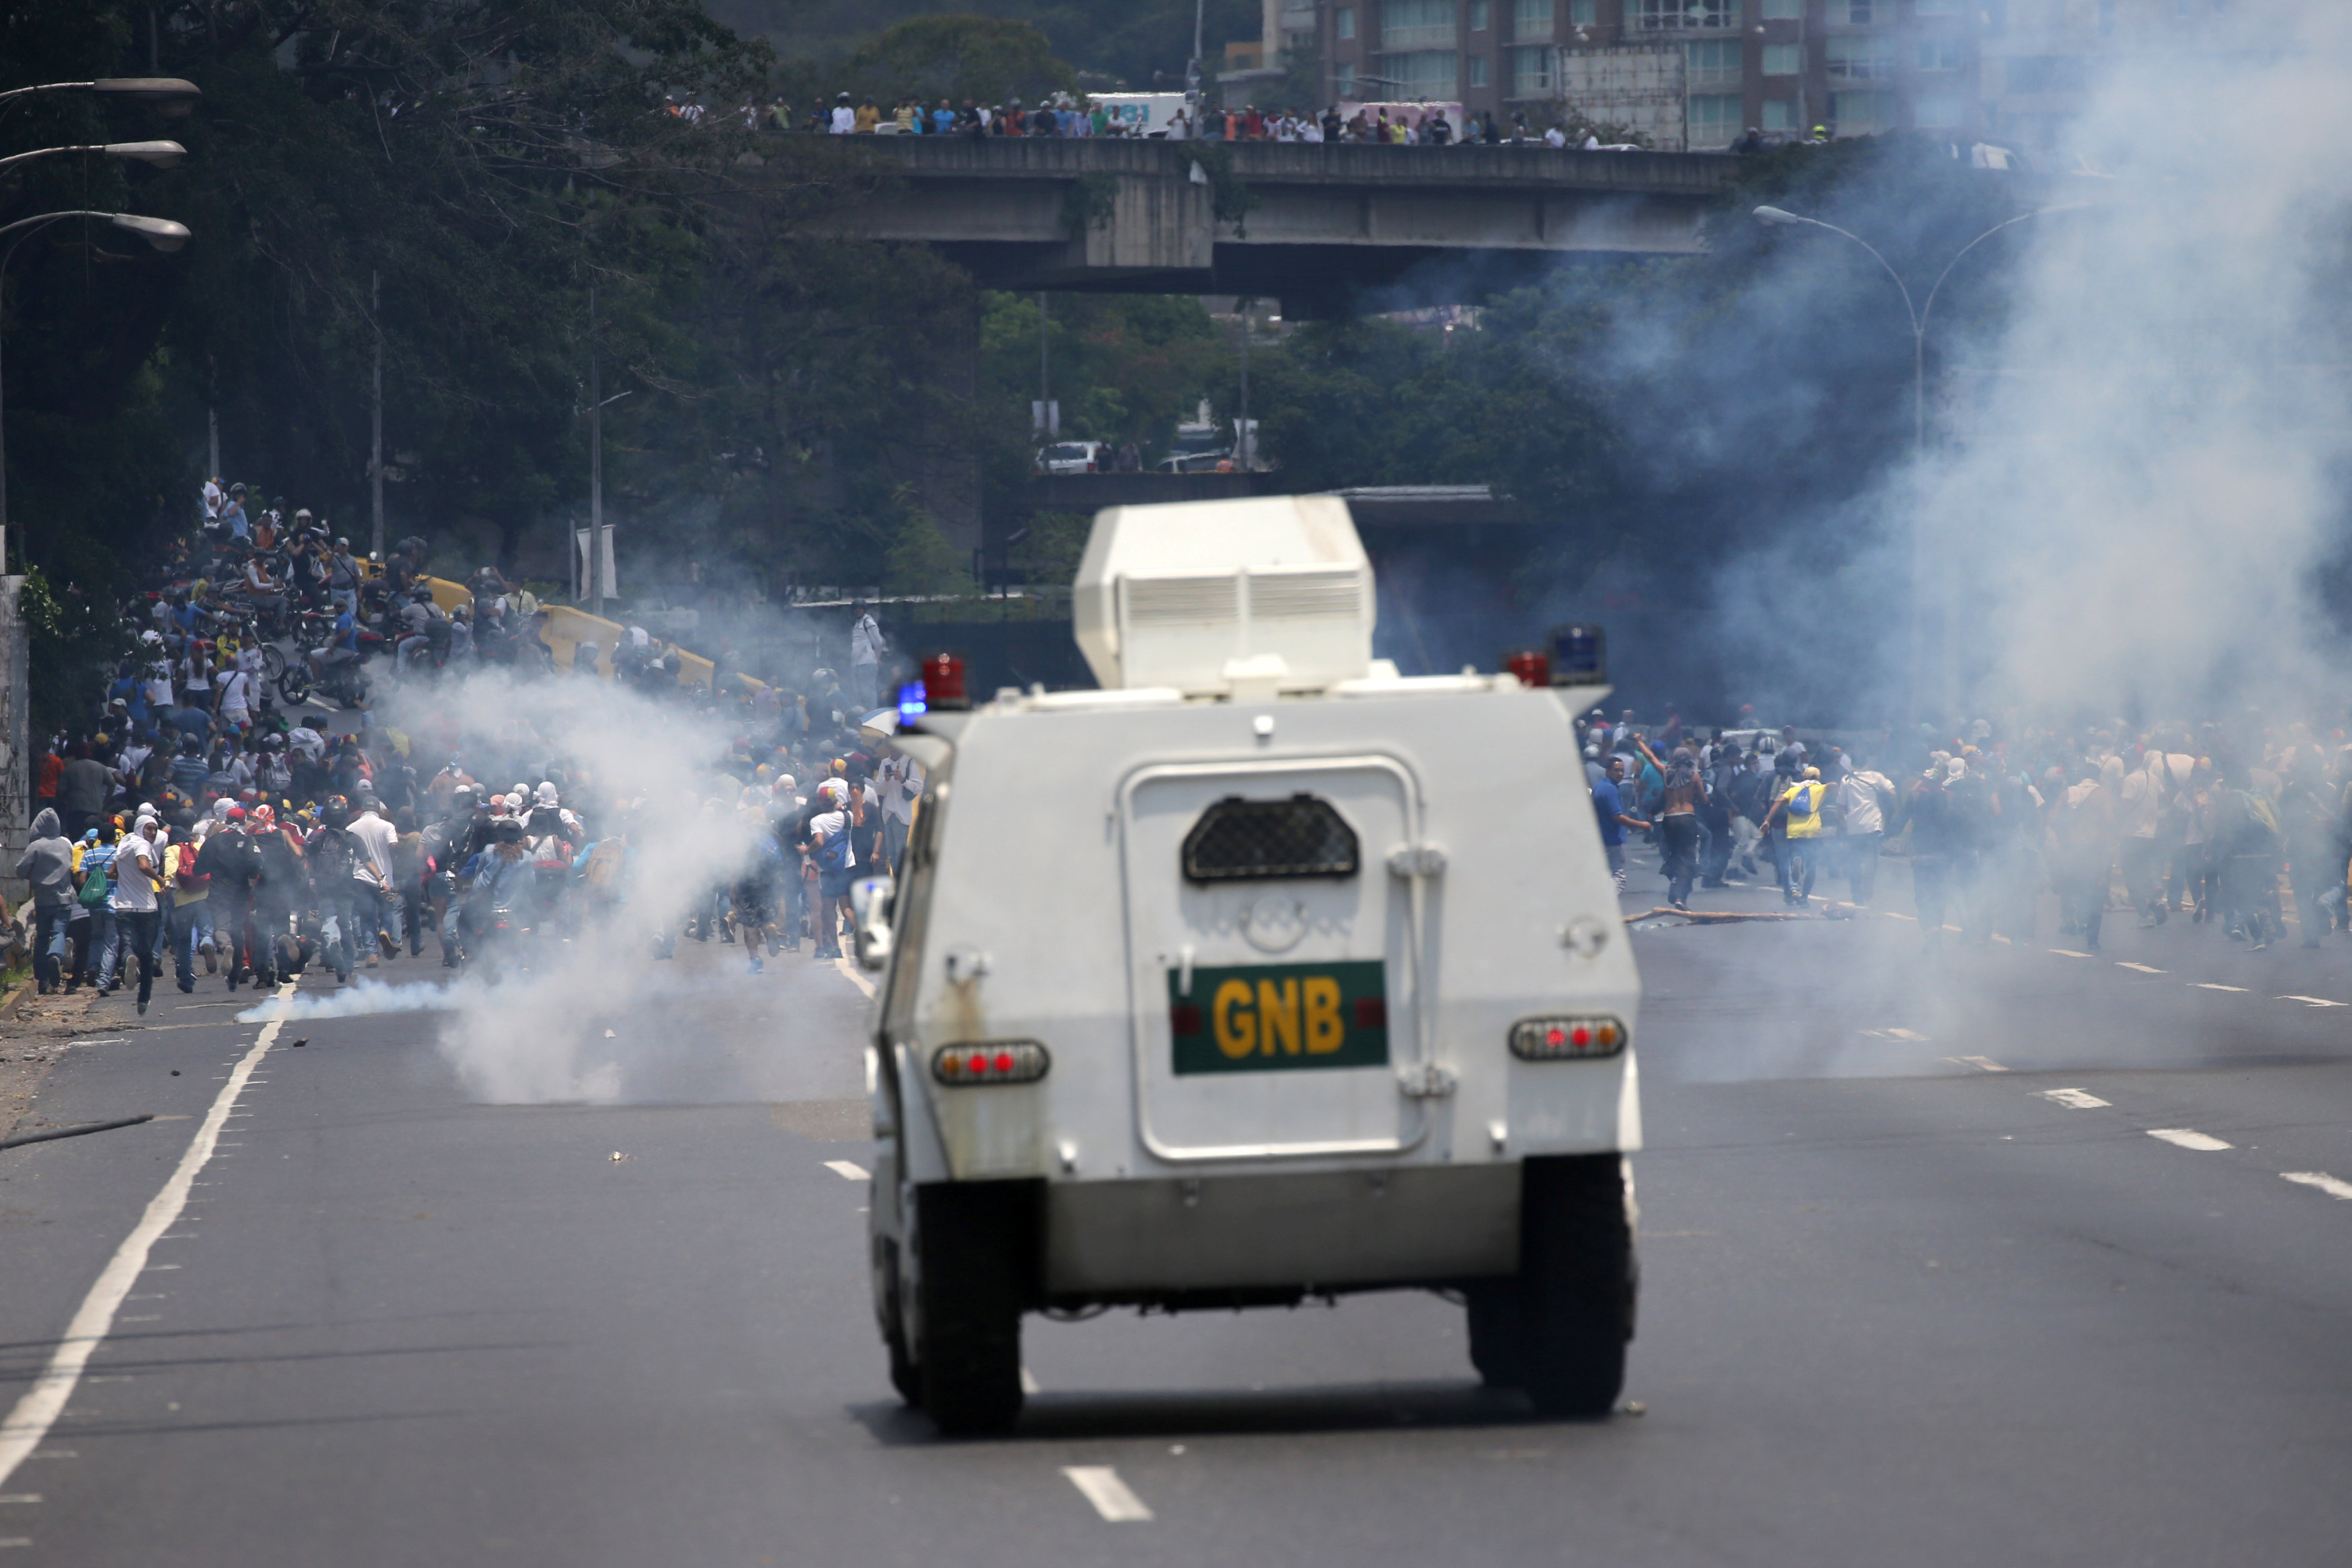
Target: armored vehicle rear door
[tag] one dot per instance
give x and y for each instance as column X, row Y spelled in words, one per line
column 1275, row 964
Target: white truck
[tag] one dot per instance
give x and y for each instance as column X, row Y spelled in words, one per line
column 1260, row 973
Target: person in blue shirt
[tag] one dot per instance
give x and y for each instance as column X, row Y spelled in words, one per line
column 1609, row 805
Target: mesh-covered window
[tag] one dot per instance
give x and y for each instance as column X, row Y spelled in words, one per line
column 1262, row 840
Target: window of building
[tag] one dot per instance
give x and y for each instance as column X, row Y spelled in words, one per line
column 1343, row 23
column 1582, row 13
column 1343, row 79
column 1531, row 72
column 1942, row 7
column 1417, row 23
column 1784, row 60
column 1859, row 60
column 1779, row 114
column 1715, row 64
column 1714, row 119
column 2045, row 73
column 1939, row 111
column 1531, row 21
column 1429, row 74
column 1477, row 15
column 1855, row 112
column 1784, row 10
column 1859, row 13
column 1478, row 71
column 1662, row 16
column 1941, row 55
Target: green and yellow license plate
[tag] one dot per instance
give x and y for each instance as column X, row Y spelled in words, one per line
column 1278, row 1017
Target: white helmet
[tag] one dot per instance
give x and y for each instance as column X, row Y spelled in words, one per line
column 547, row 795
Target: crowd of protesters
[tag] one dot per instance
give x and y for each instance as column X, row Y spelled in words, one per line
column 1068, row 115
column 196, row 818
column 2222, row 824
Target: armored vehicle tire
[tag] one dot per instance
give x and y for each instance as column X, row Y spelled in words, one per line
column 889, row 1305
column 1576, row 1283
column 1496, row 1332
column 973, row 1246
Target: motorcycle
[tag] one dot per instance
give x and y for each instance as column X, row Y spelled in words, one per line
column 344, row 682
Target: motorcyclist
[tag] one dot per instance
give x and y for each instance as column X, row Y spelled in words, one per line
column 424, row 627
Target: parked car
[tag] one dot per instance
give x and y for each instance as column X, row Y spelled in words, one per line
column 1195, row 463
column 1074, row 457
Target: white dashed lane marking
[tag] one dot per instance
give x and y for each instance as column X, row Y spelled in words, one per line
column 1111, row 1495
column 2080, row 1100
column 2210, row 986
column 2187, row 1138
column 2069, row 953
column 2312, row 1001
column 847, row 1170
column 2143, row 968
column 1981, row 1063
column 2322, row 1180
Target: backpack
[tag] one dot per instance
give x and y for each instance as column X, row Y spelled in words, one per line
column 833, row 854
column 96, row 889
column 550, row 853
column 604, row 868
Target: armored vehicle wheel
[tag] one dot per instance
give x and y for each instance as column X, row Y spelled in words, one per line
column 973, row 1247
column 1497, row 1337
column 890, row 1307
column 1576, row 1283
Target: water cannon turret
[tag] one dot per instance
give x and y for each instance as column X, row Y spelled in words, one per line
column 1240, row 599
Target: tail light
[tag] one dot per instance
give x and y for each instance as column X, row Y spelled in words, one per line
column 943, row 682
column 990, row 1061
column 1572, row 1038
column 1532, row 666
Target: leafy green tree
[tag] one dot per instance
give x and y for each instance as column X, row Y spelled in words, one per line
column 958, row 58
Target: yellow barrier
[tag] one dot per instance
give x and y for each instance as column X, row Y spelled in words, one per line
column 567, row 628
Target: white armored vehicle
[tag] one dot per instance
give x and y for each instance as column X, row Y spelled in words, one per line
column 1260, row 973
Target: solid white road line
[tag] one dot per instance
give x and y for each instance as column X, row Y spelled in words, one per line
column 857, row 976
column 2079, row 1099
column 38, row 1409
column 2322, row 1180
column 1110, row 1496
column 2187, row 1138
column 2210, row 986
column 847, row 1171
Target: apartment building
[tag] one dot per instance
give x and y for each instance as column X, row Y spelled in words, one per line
column 1690, row 73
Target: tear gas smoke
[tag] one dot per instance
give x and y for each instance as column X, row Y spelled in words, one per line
column 538, row 1031
column 2134, row 513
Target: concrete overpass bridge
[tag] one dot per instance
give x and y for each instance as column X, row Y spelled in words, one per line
column 1329, row 229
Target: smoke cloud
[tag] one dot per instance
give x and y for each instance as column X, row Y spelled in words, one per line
column 594, row 1017
column 2133, row 512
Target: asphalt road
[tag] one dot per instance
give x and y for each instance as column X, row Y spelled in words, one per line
column 1905, row 1302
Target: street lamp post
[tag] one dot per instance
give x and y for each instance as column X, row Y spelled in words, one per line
column 169, row 95
column 162, row 233
column 160, row 154
column 1920, row 314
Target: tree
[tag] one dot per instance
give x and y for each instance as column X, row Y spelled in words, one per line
column 961, row 57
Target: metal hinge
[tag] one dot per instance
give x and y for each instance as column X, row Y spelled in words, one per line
column 1426, row 1081
column 1416, row 860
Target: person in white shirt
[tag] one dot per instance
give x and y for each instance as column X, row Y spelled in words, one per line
column 1555, row 138
column 866, row 646
column 2138, row 817
column 138, row 917
column 374, row 869
column 237, row 698
column 1861, row 798
column 845, row 116
column 1180, row 129
column 900, row 782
